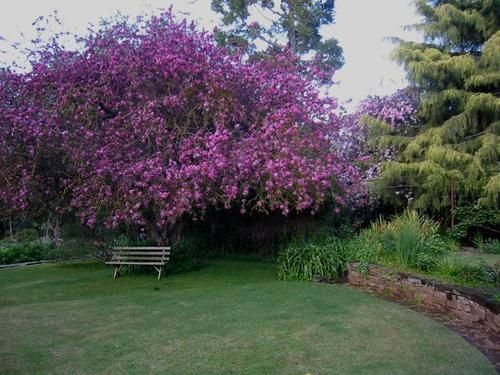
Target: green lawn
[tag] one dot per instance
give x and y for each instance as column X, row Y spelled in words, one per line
column 229, row 318
column 491, row 259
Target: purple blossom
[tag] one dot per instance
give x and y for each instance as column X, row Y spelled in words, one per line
column 151, row 121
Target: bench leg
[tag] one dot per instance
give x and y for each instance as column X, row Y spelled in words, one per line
column 158, row 269
column 117, row 272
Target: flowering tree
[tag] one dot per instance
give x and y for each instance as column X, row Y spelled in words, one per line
column 398, row 110
column 33, row 179
column 365, row 131
column 150, row 123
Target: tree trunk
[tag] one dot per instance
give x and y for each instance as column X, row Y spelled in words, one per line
column 155, row 234
column 56, row 230
column 291, row 32
column 11, row 229
column 169, row 235
column 52, row 228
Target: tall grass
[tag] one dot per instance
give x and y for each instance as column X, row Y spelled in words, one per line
column 409, row 231
column 403, row 240
column 309, row 256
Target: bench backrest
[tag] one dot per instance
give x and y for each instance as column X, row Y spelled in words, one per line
column 141, row 254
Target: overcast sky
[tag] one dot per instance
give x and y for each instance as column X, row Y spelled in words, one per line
column 361, row 26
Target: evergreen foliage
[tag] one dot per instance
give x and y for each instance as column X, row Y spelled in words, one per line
column 293, row 24
column 457, row 145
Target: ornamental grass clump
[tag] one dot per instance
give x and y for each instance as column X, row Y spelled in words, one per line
column 408, row 240
column 307, row 257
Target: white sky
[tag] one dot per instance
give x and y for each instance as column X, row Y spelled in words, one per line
column 361, row 26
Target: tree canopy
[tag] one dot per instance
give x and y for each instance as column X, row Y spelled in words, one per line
column 150, row 122
column 457, row 145
column 293, row 24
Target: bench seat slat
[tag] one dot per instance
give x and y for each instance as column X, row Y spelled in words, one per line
column 146, row 253
column 138, row 263
column 127, row 257
column 140, row 248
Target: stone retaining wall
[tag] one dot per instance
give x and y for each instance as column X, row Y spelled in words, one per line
column 465, row 303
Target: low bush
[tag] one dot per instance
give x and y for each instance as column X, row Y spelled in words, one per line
column 488, row 245
column 309, row 256
column 14, row 252
column 75, row 248
column 409, row 240
column 425, row 262
column 26, row 235
column 186, row 255
column 466, row 271
column 73, row 229
column 473, row 220
column 360, row 250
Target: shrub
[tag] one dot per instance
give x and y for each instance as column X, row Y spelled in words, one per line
column 361, row 250
column 305, row 258
column 73, row 229
column 474, row 219
column 487, row 246
column 438, row 245
column 467, row 271
column 11, row 252
column 408, row 240
column 186, row 255
column 75, row 248
column 26, row 235
column 425, row 262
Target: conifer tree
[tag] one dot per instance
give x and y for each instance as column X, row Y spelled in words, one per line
column 455, row 150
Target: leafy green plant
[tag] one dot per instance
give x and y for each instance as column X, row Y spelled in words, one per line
column 13, row 252
column 451, row 244
column 26, row 235
column 306, row 258
column 186, row 255
column 361, row 250
column 488, row 245
column 465, row 271
column 474, row 219
column 408, row 240
column 437, row 245
column 425, row 262
column 73, row 229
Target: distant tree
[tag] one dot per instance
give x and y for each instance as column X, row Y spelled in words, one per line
column 368, row 136
column 457, row 147
column 293, row 24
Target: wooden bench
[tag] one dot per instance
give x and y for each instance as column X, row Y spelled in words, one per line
column 156, row 257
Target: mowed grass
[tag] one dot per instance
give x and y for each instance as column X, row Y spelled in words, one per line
column 491, row 259
column 229, row 318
